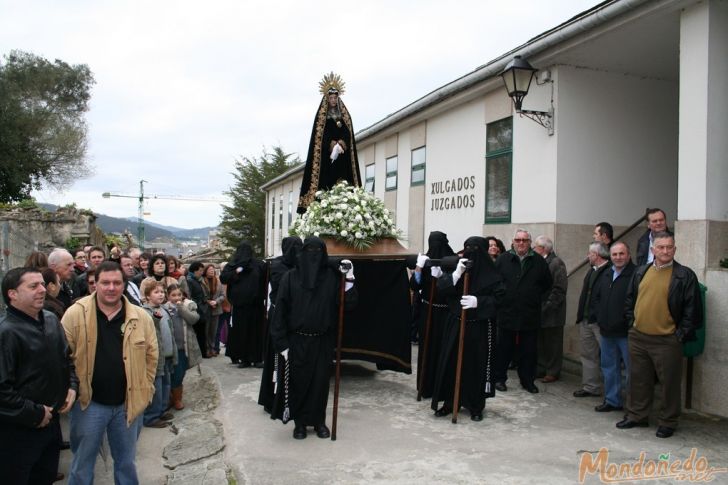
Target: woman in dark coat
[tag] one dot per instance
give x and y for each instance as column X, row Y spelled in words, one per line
column 486, row 290
column 245, row 279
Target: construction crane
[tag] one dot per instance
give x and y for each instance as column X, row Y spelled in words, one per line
column 141, row 197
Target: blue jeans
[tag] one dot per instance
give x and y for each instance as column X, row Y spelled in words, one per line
column 613, row 353
column 178, row 375
column 162, row 387
column 87, row 430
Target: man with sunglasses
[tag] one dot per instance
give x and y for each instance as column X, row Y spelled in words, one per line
column 528, row 280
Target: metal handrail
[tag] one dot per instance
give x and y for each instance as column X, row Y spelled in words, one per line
column 619, row 236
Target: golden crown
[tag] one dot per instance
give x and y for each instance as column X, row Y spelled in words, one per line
column 332, row 81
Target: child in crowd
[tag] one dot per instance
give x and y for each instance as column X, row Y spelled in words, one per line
column 155, row 415
column 184, row 315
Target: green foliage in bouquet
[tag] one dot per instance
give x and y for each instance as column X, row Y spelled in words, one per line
column 348, row 214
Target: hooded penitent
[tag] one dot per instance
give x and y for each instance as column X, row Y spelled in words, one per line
column 291, row 247
column 312, row 261
column 243, row 255
column 437, row 245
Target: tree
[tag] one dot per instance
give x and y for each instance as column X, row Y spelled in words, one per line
column 42, row 125
column 244, row 219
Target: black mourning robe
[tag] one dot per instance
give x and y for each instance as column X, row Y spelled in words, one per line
column 245, row 292
column 320, row 172
column 477, row 379
column 305, row 322
column 273, row 362
column 438, row 248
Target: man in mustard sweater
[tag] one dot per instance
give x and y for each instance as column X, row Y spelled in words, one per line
column 664, row 308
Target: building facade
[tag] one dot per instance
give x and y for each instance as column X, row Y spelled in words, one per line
column 640, row 116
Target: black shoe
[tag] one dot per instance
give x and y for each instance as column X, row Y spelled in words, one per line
column 501, row 386
column 605, row 407
column 299, row 432
column 65, row 445
column 259, row 365
column 476, row 416
column 584, row 393
column 443, row 411
column 157, row 424
column 167, row 417
column 664, row 432
column 531, row 388
column 322, row 431
column 243, row 365
column 627, row 423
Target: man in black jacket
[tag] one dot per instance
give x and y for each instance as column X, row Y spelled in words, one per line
column 528, row 280
column 609, row 297
column 586, row 318
column 664, row 309
column 656, row 222
column 37, row 381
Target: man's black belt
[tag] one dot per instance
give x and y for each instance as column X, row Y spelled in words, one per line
column 435, row 305
column 311, row 334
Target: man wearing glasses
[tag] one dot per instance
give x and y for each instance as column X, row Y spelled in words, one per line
column 528, row 281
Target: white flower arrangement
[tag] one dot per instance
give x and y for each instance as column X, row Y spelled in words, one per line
column 348, row 214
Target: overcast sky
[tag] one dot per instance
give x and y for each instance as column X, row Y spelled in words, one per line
column 185, row 88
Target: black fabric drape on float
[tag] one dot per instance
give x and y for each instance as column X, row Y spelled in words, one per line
column 378, row 330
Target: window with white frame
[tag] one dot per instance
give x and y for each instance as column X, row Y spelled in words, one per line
column 390, row 182
column 369, row 178
column 418, row 166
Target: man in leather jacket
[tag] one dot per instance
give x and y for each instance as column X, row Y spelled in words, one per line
column 37, row 381
column 663, row 308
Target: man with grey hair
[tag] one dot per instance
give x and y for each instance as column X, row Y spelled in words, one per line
column 134, row 254
column 527, row 280
column 553, row 314
column 586, row 318
column 663, row 309
column 61, row 261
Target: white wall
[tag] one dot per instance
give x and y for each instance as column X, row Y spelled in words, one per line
column 456, row 151
column 534, row 162
column 617, row 146
column 704, row 112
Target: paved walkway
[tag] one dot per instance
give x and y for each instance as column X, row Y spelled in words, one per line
column 385, row 436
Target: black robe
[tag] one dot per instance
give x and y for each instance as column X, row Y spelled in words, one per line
column 305, row 322
column 273, row 362
column 477, row 379
column 320, row 172
column 245, row 292
column 438, row 248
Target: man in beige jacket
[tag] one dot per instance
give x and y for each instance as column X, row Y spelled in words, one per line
column 114, row 349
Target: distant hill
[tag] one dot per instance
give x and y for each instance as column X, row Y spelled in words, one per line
column 151, row 229
column 178, row 232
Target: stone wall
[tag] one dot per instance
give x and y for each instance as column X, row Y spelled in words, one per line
column 25, row 230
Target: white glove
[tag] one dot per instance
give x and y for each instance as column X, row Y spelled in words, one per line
column 436, row 271
column 285, row 354
column 239, row 269
column 468, row 302
column 459, row 270
column 336, row 151
column 421, row 260
column 350, row 272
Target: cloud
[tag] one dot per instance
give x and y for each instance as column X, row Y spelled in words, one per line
column 185, row 87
